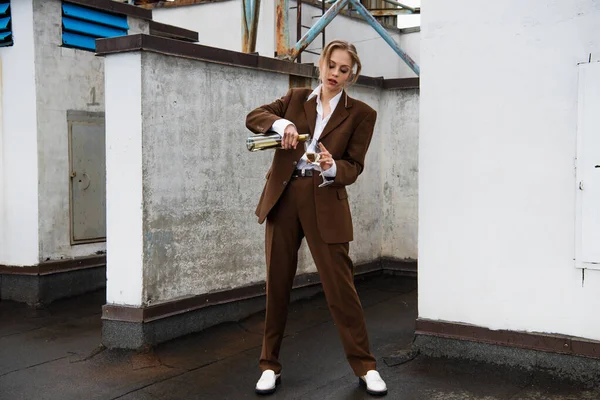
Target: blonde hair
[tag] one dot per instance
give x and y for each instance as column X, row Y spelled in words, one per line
column 341, row 45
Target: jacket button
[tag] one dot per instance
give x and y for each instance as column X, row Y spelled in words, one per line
column 284, row 183
column 295, row 163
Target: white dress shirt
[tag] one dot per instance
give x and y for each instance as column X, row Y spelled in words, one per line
column 280, row 125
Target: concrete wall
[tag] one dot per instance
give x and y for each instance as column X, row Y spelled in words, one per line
column 209, row 19
column 497, row 181
column 399, row 172
column 66, row 79
column 199, row 183
column 18, row 144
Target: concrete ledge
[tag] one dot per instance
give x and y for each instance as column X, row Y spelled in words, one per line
column 49, row 281
column 133, row 328
column 186, row 49
column 574, row 368
column 566, row 357
column 173, row 32
column 135, row 335
column 552, row 343
column 116, row 7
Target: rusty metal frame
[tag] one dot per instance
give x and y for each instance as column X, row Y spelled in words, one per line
column 334, row 10
column 250, row 14
column 282, row 36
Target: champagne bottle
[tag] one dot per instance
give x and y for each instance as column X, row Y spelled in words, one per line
column 269, row 141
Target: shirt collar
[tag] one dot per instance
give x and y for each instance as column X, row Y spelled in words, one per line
column 332, row 103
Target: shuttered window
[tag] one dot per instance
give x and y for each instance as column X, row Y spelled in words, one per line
column 83, row 25
column 6, row 36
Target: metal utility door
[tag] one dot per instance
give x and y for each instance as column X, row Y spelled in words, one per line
column 587, row 230
column 87, row 156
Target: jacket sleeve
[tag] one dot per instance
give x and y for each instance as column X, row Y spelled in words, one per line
column 261, row 119
column 351, row 165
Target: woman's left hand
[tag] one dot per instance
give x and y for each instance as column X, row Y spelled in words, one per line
column 326, row 159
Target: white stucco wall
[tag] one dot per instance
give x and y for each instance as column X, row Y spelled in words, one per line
column 66, row 79
column 220, row 24
column 19, row 168
column 124, row 272
column 496, row 165
column 210, row 19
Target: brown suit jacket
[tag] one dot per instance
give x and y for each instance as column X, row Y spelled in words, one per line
column 347, row 137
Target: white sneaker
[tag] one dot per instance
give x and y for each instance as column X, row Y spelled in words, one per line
column 268, row 382
column 375, row 385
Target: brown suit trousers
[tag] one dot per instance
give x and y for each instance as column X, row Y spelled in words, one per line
column 292, row 218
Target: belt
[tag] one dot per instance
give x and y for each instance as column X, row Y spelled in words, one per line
column 299, row 173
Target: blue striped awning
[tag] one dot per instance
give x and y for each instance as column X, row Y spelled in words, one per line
column 82, row 26
column 6, row 38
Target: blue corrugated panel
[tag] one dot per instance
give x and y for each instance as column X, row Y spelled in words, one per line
column 90, row 29
column 6, row 38
column 82, row 26
column 79, row 41
column 99, row 17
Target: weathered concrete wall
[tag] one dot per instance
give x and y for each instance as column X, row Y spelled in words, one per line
column 399, row 127
column 66, row 79
column 201, row 185
column 209, row 19
column 18, row 144
column 365, row 195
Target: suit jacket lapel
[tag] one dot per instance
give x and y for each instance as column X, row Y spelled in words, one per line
column 337, row 117
column 310, row 108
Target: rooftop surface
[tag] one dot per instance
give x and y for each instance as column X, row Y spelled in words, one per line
column 55, row 353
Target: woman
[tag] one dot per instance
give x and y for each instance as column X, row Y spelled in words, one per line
column 301, row 199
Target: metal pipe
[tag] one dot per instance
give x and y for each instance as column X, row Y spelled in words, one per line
column 323, row 13
column 299, row 25
column 314, row 31
column 282, row 37
column 385, row 35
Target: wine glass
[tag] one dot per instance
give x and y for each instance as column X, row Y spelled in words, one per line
column 311, row 147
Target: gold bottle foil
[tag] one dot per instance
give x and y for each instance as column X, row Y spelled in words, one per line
column 264, row 142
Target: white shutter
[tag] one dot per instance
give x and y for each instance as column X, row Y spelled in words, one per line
column 587, row 249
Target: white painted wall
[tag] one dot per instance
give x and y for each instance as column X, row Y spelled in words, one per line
column 587, row 227
column 220, row 24
column 123, row 90
column 209, row 21
column 496, row 165
column 19, row 169
column 410, row 20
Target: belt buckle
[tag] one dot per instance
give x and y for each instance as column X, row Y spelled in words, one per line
column 303, row 172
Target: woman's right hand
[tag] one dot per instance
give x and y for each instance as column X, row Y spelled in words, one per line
column 290, row 137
